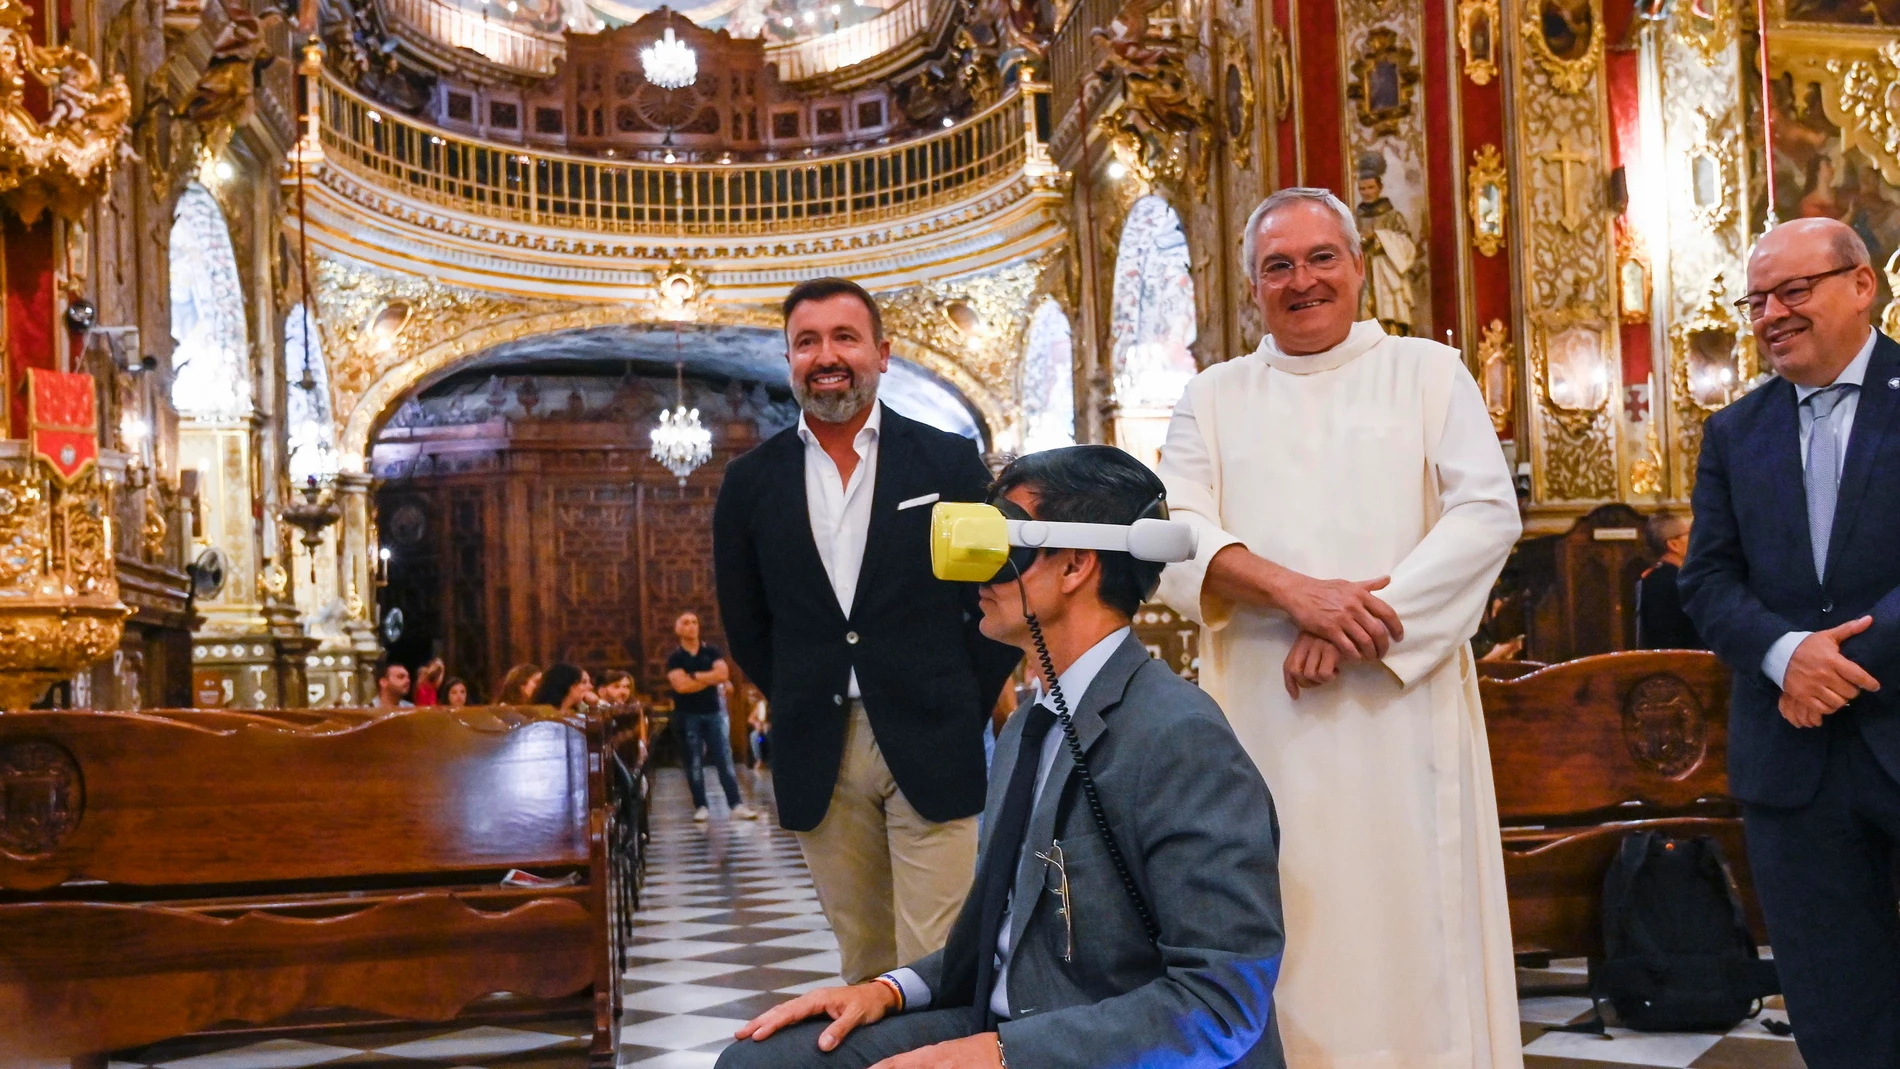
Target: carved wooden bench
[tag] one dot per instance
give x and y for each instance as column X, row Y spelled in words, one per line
column 1587, row 751
column 164, row 873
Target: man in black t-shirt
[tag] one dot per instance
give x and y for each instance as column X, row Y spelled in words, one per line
column 696, row 671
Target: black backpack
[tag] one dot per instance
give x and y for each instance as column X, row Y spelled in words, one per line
column 1677, row 953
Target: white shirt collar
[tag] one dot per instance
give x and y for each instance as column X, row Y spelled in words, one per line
column 1075, row 682
column 873, row 426
column 1855, row 373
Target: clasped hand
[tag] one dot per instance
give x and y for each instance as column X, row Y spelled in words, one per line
column 1821, row 679
column 869, row 1003
column 1340, row 621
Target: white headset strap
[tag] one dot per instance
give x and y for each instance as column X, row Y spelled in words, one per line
column 1044, row 534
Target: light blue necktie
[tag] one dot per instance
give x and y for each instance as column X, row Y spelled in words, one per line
column 1824, row 471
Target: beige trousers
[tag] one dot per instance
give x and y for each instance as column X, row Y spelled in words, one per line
column 890, row 882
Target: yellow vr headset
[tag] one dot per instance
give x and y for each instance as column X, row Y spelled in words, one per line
column 970, row 542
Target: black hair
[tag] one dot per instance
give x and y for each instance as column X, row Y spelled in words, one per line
column 1094, row 484
column 383, row 669
column 822, row 289
column 555, row 683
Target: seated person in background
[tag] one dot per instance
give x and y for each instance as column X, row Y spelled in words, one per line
column 455, row 694
column 429, row 682
column 517, row 687
column 563, row 686
column 392, row 686
column 1660, row 622
column 1051, row 964
column 616, row 687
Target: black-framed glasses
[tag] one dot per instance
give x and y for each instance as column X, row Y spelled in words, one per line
column 1792, row 293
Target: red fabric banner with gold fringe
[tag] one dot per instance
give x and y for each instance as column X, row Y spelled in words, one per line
column 63, row 421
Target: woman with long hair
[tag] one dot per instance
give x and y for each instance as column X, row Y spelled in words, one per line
column 517, row 687
column 563, row 686
column 455, row 693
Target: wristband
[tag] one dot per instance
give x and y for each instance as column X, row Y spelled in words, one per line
column 896, row 987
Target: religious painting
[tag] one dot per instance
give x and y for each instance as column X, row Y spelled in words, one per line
column 1845, row 12
column 1048, row 379
column 1815, row 176
column 1567, row 26
column 1486, row 199
column 1391, row 202
column 1237, row 99
column 1383, row 79
column 210, row 350
column 1576, row 375
column 1477, row 35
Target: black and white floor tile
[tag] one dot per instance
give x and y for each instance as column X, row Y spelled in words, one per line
column 730, row 926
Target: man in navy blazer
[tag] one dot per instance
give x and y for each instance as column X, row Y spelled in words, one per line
column 1793, row 577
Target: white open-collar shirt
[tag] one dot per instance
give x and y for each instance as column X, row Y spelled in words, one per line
column 840, row 510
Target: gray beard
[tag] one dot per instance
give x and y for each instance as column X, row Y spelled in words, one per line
column 835, row 407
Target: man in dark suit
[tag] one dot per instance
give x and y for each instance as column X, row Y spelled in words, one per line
column 1661, row 624
column 1793, row 577
column 879, row 682
column 1055, row 963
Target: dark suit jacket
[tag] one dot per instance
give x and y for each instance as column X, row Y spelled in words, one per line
column 1749, row 578
column 1197, row 826
column 1660, row 622
column 928, row 677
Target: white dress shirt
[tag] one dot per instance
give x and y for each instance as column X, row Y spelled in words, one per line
column 1075, row 683
column 840, row 510
column 1774, row 664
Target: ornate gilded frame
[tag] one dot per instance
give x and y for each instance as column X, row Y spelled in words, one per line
column 1724, row 163
column 1632, row 307
column 1479, row 67
column 1279, row 74
column 1236, row 77
column 1384, row 46
column 1487, row 171
column 1711, row 312
column 1566, row 75
column 1550, row 325
column 1495, row 350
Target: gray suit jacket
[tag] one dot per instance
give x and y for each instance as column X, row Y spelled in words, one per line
column 1197, row 826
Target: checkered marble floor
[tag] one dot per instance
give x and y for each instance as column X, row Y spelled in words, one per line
column 730, row 926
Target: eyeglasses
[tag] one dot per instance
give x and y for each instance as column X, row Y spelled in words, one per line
column 1791, row 294
column 1277, row 274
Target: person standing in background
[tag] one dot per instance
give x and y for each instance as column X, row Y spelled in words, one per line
column 879, row 679
column 1660, row 622
column 696, row 671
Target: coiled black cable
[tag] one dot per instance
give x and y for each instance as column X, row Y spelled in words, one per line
column 1089, row 792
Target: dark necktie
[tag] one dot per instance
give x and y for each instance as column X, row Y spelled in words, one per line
column 998, row 870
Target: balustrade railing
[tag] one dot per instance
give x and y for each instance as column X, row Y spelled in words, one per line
column 826, row 193
column 810, row 57
column 498, row 39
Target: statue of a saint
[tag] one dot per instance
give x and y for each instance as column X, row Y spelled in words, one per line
column 1391, row 254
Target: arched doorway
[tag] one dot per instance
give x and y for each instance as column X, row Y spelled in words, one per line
column 525, row 519
column 1048, row 379
column 1151, row 325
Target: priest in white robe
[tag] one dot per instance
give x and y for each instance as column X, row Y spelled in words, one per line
column 1354, row 509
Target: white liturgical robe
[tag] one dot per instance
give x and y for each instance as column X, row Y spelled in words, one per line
column 1375, row 458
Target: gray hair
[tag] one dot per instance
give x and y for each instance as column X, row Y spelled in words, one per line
column 1348, row 226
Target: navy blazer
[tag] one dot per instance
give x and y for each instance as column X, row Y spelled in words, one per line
column 927, row 675
column 1749, row 577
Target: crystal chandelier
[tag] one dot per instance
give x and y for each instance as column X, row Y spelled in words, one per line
column 670, row 62
column 680, row 444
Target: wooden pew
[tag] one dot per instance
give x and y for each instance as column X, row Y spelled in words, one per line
column 1587, row 751
column 162, row 873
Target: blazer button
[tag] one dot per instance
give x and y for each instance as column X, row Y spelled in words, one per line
column 851, row 637
column 837, row 699
column 1827, row 606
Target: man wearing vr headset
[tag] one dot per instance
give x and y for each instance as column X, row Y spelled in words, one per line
column 1158, row 947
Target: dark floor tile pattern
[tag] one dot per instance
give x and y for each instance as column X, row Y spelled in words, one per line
column 731, row 926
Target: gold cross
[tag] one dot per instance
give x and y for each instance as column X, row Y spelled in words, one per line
column 1564, row 158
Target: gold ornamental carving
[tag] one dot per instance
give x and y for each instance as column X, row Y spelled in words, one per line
column 1890, row 316
column 1478, row 39
column 1565, row 157
column 1570, row 377
column 680, row 291
column 1712, row 362
column 1707, row 27
column 1237, row 98
column 65, row 161
column 1860, row 90
column 1384, row 79
column 59, row 592
column 1646, row 471
column 1162, row 107
column 1487, row 194
column 1497, row 374
column 1279, row 74
column 1712, row 165
column 1565, row 37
